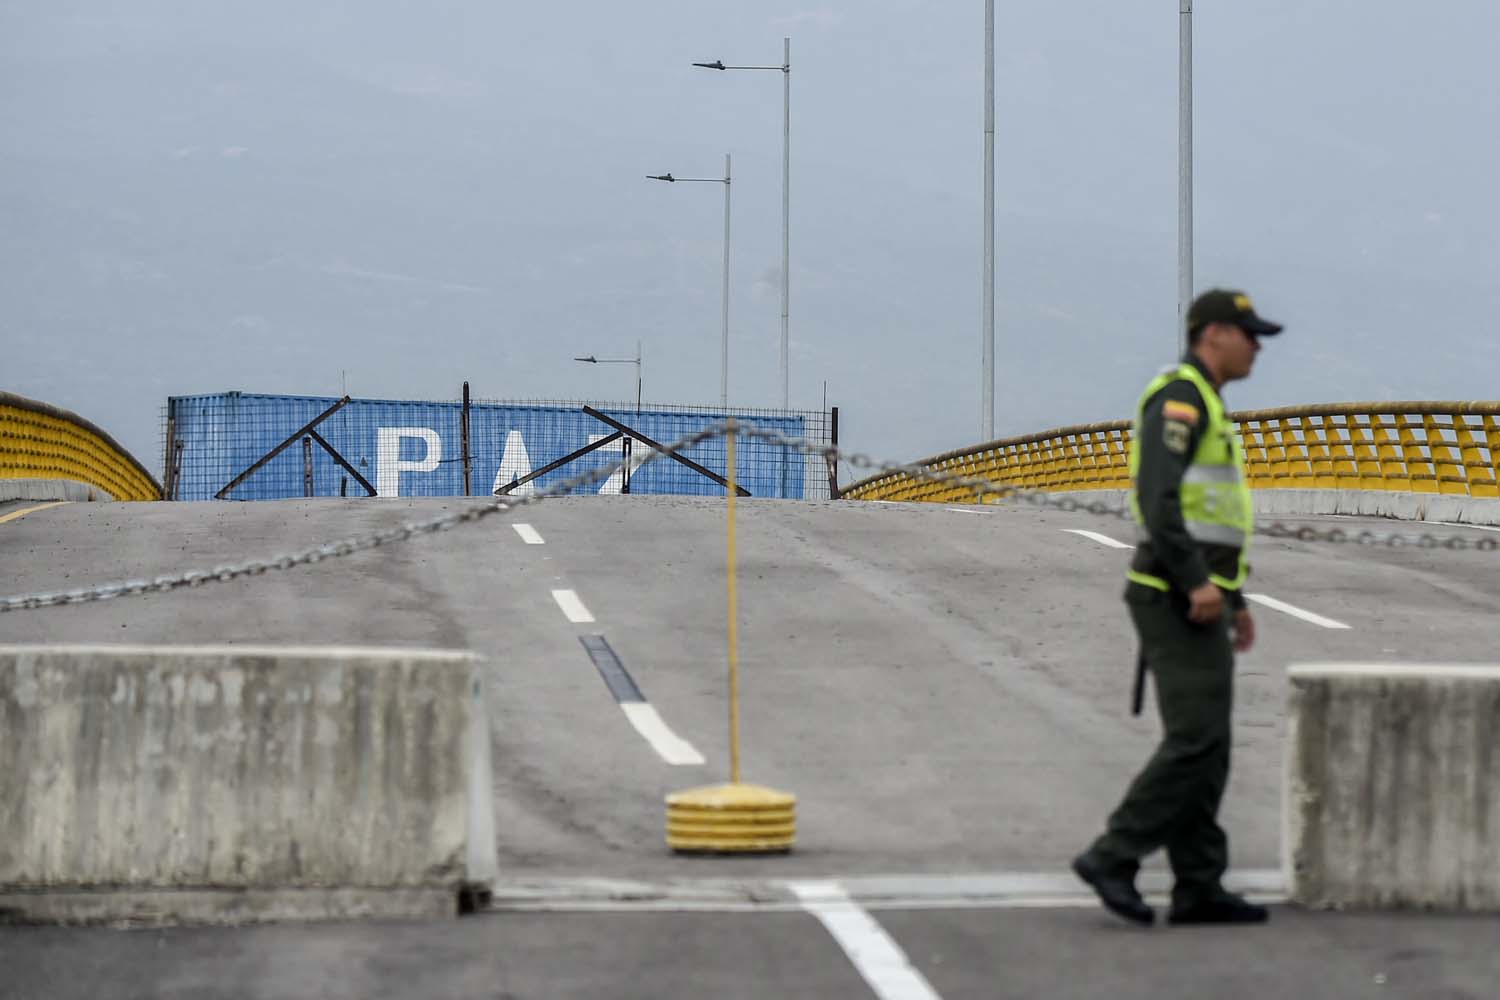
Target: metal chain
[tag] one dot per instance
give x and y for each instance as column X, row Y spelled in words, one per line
column 980, row 487
column 1069, row 504
column 334, row 550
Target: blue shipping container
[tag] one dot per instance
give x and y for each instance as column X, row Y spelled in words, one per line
column 414, row 448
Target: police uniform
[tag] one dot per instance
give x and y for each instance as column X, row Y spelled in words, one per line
column 1193, row 515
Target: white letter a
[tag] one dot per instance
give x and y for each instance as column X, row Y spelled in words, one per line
column 514, row 464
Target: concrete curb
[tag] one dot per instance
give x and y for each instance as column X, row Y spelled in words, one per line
column 51, row 489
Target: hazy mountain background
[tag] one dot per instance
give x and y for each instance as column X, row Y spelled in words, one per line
column 275, row 196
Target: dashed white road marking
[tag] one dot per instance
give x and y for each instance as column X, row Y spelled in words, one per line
column 966, row 510
column 672, row 748
column 1294, row 611
column 528, row 534
column 1094, row 536
column 572, row 606
column 873, row 952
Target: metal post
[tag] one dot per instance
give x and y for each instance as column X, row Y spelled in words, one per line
column 724, row 345
column 625, row 485
column 833, row 465
column 988, row 430
column 465, row 427
column 734, row 657
column 307, row 475
column 1184, row 166
column 786, row 219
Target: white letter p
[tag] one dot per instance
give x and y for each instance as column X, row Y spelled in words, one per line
column 389, row 464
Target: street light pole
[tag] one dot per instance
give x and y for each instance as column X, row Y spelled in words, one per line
column 988, row 418
column 724, row 346
column 785, row 69
column 786, row 221
column 1184, row 166
column 590, row 359
column 724, row 333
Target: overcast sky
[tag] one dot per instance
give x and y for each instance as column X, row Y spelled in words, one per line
column 265, row 196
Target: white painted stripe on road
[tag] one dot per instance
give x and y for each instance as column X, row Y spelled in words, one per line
column 672, row 748
column 1460, row 524
column 572, row 606
column 966, row 510
column 961, row 891
column 1294, row 611
column 873, row 952
column 528, row 534
column 1094, row 536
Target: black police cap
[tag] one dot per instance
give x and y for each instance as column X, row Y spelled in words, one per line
column 1220, row 305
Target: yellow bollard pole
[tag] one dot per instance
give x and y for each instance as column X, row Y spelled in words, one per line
column 734, row 658
column 733, row 818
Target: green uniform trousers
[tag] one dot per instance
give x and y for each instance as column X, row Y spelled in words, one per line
column 1174, row 801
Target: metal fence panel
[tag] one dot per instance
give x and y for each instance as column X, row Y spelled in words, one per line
column 414, row 448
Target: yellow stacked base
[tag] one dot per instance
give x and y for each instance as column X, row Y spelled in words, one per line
column 731, row 819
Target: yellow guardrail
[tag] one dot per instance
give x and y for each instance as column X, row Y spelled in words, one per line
column 38, row 441
column 1414, row 447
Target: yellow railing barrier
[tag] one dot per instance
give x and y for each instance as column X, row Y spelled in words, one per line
column 38, row 441
column 1450, row 448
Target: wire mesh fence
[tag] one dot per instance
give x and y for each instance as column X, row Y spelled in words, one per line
column 246, row 446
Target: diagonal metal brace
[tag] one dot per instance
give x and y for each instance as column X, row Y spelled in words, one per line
column 283, row 446
column 670, row 453
column 333, row 453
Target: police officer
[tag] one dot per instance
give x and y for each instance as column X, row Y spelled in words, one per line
column 1192, row 508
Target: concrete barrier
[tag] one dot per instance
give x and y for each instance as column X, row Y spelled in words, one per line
column 1393, row 786
column 226, row 784
column 51, row 489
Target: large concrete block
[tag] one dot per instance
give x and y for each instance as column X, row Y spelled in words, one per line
column 236, row 783
column 1393, row 786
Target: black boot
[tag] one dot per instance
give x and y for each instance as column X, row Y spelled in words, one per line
column 1218, row 907
column 1115, row 888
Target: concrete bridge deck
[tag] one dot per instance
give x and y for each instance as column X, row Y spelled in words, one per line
column 945, row 689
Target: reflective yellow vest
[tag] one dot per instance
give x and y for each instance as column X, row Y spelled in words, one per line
column 1216, row 504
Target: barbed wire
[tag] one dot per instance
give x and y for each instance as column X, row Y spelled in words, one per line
column 980, row 487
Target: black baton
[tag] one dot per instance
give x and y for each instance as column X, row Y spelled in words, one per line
column 1138, row 694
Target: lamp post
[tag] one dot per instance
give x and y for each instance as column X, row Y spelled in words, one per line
column 724, row 335
column 1184, row 165
column 590, row 359
column 987, row 406
column 786, row 211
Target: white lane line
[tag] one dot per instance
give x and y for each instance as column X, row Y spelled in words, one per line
column 964, row 891
column 672, row 748
column 528, row 534
column 1294, row 611
column 572, row 606
column 1094, row 536
column 873, row 952
column 1459, row 524
column 965, row 510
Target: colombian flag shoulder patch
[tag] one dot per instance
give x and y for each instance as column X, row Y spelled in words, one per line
column 1176, row 410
